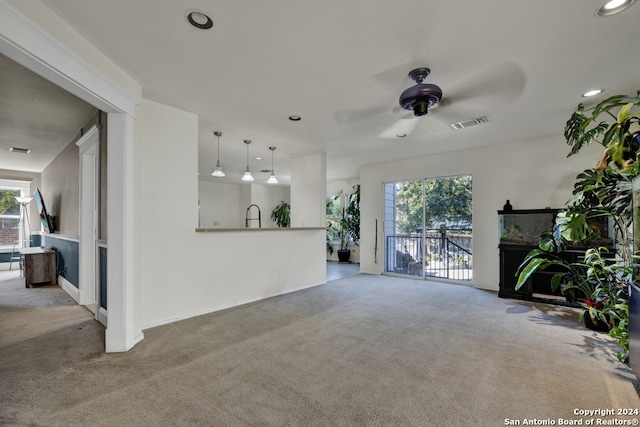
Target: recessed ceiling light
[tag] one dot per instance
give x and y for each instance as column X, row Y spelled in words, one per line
column 614, row 6
column 401, row 135
column 257, row 158
column 593, row 92
column 295, row 118
column 199, row 19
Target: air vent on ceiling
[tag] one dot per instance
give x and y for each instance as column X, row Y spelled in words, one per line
column 467, row 123
column 20, row 150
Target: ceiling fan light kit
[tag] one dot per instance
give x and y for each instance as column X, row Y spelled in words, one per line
column 422, row 96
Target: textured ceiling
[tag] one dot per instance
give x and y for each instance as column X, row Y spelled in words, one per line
column 341, row 66
column 36, row 115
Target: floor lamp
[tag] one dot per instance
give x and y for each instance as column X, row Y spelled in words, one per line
column 25, row 226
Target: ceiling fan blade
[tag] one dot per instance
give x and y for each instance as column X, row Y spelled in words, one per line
column 482, row 94
column 344, row 117
column 403, row 127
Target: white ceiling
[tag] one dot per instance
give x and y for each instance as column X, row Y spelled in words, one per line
column 35, row 115
column 341, row 66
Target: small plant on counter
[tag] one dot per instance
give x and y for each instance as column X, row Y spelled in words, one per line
column 281, row 215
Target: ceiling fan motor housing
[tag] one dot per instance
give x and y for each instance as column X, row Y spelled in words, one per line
column 420, row 98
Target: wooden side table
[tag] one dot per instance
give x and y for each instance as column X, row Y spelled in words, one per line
column 39, row 266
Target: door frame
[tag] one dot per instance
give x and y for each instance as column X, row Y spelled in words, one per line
column 89, row 154
column 30, row 45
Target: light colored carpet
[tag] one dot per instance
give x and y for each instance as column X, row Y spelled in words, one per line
column 359, row 351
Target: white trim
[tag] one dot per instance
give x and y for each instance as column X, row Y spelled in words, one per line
column 69, row 288
column 101, row 315
column 89, row 154
column 224, row 307
column 28, row 44
column 120, row 262
column 24, row 41
column 16, row 183
column 59, row 236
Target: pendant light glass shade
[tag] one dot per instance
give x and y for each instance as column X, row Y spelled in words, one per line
column 247, row 177
column 218, row 172
column 272, row 178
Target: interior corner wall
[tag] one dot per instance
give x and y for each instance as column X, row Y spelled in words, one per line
column 308, row 191
column 531, row 174
column 183, row 273
column 61, row 190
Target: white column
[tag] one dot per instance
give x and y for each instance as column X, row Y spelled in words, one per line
column 309, row 191
column 120, row 334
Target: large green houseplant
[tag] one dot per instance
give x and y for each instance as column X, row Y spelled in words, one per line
column 602, row 192
column 347, row 226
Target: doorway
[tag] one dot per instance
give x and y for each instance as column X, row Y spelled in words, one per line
column 428, row 228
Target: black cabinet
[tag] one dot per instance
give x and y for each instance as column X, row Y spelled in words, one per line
column 538, row 287
column 519, row 234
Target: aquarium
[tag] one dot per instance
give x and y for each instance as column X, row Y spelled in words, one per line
column 523, row 227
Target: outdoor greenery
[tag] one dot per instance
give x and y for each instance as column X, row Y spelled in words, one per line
column 602, row 192
column 444, row 198
column 8, row 204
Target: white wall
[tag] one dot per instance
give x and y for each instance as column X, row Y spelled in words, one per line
column 267, row 197
column 225, row 205
column 308, row 191
column 531, row 174
column 63, row 32
column 61, row 190
column 219, row 205
column 183, row 273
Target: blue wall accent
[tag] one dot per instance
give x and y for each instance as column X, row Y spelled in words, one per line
column 103, row 276
column 67, row 258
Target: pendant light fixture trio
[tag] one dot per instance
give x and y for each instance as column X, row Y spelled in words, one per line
column 247, row 177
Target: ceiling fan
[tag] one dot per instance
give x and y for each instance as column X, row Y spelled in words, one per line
column 471, row 96
column 418, row 98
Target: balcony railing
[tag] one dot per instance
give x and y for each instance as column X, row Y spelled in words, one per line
column 447, row 255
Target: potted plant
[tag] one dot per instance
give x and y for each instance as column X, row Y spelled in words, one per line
column 281, row 214
column 348, row 226
column 602, row 192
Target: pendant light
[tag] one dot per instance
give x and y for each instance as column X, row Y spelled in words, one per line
column 247, row 173
column 218, row 170
column 272, row 178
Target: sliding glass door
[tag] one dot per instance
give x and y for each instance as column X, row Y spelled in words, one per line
column 427, row 228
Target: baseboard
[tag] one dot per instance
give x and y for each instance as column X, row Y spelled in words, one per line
column 69, row 288
column 102, row 316
column 224, row 307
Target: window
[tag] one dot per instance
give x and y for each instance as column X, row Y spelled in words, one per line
column 10, row 210
column 334, row 208
column 427, row 227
